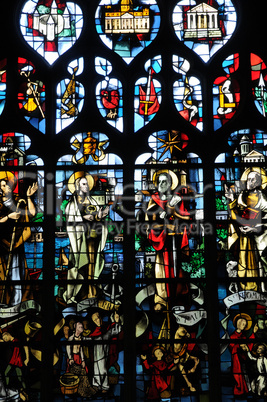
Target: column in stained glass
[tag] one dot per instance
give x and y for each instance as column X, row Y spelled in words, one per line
column 241, row 232
column 170, row 271
column 88, row 271
column 21, row 268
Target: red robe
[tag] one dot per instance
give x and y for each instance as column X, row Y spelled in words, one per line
column 238, row 361
column 16, row 358
column 160, row 380
column 162, row 242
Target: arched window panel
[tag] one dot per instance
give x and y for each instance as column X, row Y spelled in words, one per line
column 127, row 27
column 204, row 27
column 89, row 267
column 259, row 78
column 187, row 93
column 21, row 266
column 31, row 94
column 70, row 96
column 2, row 84
column 88, row 272
column 109, row 94
column 147, row 94
column 169, row 268
column 226, row 92
column 240, row 181
column 51, row 27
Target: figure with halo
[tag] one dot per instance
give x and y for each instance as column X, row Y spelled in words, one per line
column 248, row 226
column 168, row 234
column 87, row 236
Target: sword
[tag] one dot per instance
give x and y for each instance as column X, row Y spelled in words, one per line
column 7, row 324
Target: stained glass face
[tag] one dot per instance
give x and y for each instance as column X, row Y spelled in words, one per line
column 127, row 27
column 206, row 26
column 51, row 27
column 240, row 205
column 170, row 269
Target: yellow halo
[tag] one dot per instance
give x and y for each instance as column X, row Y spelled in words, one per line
column 171, row 173
column 259, row 170
column 9, row 177
column 79, row 175
column 245, row 317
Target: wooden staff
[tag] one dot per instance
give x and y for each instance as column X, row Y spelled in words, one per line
column 12, row 243
column 34, row 93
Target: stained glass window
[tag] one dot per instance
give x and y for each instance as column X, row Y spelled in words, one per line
column 133, row 247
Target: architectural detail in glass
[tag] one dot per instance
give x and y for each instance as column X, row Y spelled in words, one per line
column 170, row 270
column 88, row 269
column 21, row 267
column 206, row 26
column 127, row 26
column 241, row 231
